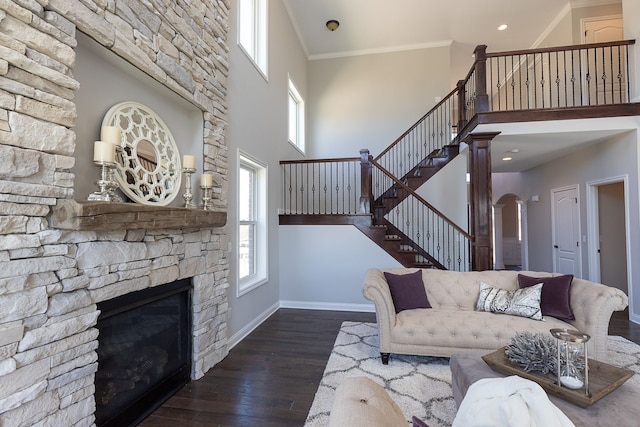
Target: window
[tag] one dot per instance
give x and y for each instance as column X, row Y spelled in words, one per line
column 296, row 117
column 252, row 31
column 252, row 224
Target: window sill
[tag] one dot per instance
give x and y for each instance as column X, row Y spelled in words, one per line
column 245, row 288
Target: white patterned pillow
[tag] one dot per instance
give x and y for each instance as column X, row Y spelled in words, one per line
column 523, row 302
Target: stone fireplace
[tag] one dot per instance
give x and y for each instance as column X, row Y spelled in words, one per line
column 59, row 258
column 144, row 352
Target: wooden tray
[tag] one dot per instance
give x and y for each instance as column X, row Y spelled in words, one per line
column 603, row 379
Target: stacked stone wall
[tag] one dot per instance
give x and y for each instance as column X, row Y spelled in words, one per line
column 51, row 280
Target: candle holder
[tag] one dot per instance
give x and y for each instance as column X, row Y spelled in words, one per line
column 188, row 195
column 106, row 183
column 206, row 198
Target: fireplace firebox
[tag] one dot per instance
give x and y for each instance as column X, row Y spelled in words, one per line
column 144, row 352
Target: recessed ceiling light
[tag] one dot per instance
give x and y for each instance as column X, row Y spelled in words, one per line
column 503, row 27
column 515, row 150
column 506, row 159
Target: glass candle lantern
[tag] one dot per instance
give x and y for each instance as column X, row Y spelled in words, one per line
column 572, row 361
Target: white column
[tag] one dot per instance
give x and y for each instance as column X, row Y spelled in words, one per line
column 524, row 247
column 497, row 237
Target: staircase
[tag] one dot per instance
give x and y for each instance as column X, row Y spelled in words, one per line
column 378, row 195
column 413, row 179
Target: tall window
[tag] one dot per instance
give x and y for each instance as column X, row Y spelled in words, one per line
column 296, row 117
column 252, row 224
column 252, row 31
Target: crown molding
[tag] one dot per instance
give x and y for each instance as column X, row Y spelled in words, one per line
column 391, row 49
column 553, row 24
column 575, row 4
column 296, row 27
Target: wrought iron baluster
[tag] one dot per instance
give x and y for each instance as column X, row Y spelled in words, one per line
column 627, row 76
column 565, row 77
column 513, row 86
column 558, row 79
column 588, row 79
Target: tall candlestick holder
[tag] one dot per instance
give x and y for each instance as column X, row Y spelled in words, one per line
column 106, row 183
column 206, row 198
column 188, row 195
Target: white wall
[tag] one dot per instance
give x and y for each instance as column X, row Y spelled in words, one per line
column 368, row 101
column 258, row 126
column 611, row 158
column 447, row 190
column 324, row 266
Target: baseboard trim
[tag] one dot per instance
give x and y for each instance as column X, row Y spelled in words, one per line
column 257, row 321
column 635, row 318
column 333, row 306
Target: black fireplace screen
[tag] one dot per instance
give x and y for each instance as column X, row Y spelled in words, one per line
column 144, row 352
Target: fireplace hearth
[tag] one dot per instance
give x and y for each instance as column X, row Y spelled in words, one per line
column 144, row 352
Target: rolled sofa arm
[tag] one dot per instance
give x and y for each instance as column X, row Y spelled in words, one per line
column 593, row 304
column 376, row 289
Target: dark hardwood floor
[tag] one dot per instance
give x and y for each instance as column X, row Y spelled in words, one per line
column 271, row 377
column 268, row 379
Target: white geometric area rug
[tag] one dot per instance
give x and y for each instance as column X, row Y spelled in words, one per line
column 420, row 385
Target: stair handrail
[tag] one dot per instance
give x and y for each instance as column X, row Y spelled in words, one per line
column 417, row 123
column 561, row 48
column 421, row 199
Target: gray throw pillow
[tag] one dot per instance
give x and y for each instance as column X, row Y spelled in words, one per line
column 520, row 302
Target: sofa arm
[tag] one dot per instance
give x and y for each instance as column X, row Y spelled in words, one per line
column 376, row 289
column 593, row 304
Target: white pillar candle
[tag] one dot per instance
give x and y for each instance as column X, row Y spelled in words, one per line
column 188, row 162
column 104, row 151
column 111, row 134
column 206, row 180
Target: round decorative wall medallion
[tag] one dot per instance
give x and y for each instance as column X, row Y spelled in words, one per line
column 148, row 162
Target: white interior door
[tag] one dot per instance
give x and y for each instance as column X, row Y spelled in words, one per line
column 600, row 30
column 566, row 231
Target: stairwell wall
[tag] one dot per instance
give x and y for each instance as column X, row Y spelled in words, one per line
column 367, row 101
column 354, row 102
column 323, row 266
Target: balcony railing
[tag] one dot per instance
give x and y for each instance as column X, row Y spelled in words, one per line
column 322, row 187
column 559, row 77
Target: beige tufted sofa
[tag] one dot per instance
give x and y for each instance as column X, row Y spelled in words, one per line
column 453, row 325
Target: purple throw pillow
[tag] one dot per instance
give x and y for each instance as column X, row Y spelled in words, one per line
column 555, row 299
column 407, row 291
column 417, row 422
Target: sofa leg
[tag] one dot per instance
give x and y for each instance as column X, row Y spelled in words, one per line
column 385, row 358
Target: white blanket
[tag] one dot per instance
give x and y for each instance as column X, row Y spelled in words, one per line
column 510, row 402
